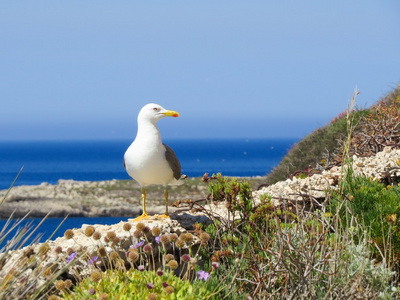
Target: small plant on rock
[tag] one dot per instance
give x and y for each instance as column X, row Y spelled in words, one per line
column 138, row 284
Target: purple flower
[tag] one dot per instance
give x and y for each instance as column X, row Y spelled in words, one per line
column 203, row 275
column 158, row 238
column 150, row 285
column 140, row 268
column 138, row 245
column 72, row 257
column 160, row 273
column 215, row 265
column 165, row 284
column 186, row 257
column 92, row 260
column 148, row 248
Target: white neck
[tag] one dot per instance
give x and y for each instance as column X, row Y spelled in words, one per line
column 148, row 131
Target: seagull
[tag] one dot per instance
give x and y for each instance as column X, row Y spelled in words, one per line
column 148, row 160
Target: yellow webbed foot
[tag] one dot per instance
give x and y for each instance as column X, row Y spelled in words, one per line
column 162, row 216
column 144, row 216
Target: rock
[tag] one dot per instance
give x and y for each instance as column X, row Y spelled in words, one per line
column 60, row 251
column 375, row 167
column 187, row 220
column 84, row 198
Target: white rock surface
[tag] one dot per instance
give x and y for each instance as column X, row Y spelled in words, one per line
column 87, row 246
column 375, row 167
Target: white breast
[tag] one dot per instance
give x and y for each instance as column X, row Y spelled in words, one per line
column 147, row 165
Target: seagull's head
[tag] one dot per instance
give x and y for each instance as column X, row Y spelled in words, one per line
column 154, row 112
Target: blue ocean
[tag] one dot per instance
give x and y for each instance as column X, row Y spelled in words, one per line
column 49, row 161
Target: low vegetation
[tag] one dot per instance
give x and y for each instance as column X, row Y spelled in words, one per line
column 340, row 251
column 372, row 129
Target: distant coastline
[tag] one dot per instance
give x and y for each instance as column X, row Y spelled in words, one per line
column 111, row 198
column 49, row 161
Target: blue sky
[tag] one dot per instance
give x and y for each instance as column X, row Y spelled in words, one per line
column 252, row 69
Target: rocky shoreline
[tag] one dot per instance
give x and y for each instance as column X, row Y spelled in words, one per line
column 120, row 198
column 83, row 199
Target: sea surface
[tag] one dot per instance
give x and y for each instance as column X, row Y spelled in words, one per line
column 49, row 161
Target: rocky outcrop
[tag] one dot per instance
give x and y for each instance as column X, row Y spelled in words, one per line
column 90, row 199
column 385, row 164
column 102, row 246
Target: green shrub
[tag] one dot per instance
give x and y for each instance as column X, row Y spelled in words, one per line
column 134, row 284
column 376, row 206
column 237, row 194
column 287, row 252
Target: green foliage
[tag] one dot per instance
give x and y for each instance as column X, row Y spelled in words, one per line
column 357, row 272
column 264, row 217
column 375, row 205
column 236, row 194
column 133, row 284
column 287, row 251
column 159, row 264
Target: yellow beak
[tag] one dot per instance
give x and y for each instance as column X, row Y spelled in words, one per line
column 171, row 113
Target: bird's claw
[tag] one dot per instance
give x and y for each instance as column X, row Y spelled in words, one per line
column 144, row 216
column 147, row 217
column 162, row 216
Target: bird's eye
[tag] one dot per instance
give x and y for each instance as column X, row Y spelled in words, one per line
column 155, row 109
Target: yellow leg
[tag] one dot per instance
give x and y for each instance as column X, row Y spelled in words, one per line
column 144, row 201
column 166, row 201
column 166, row 215
column 144, row 214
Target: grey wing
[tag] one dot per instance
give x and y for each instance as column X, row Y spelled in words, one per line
column 173, row 162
